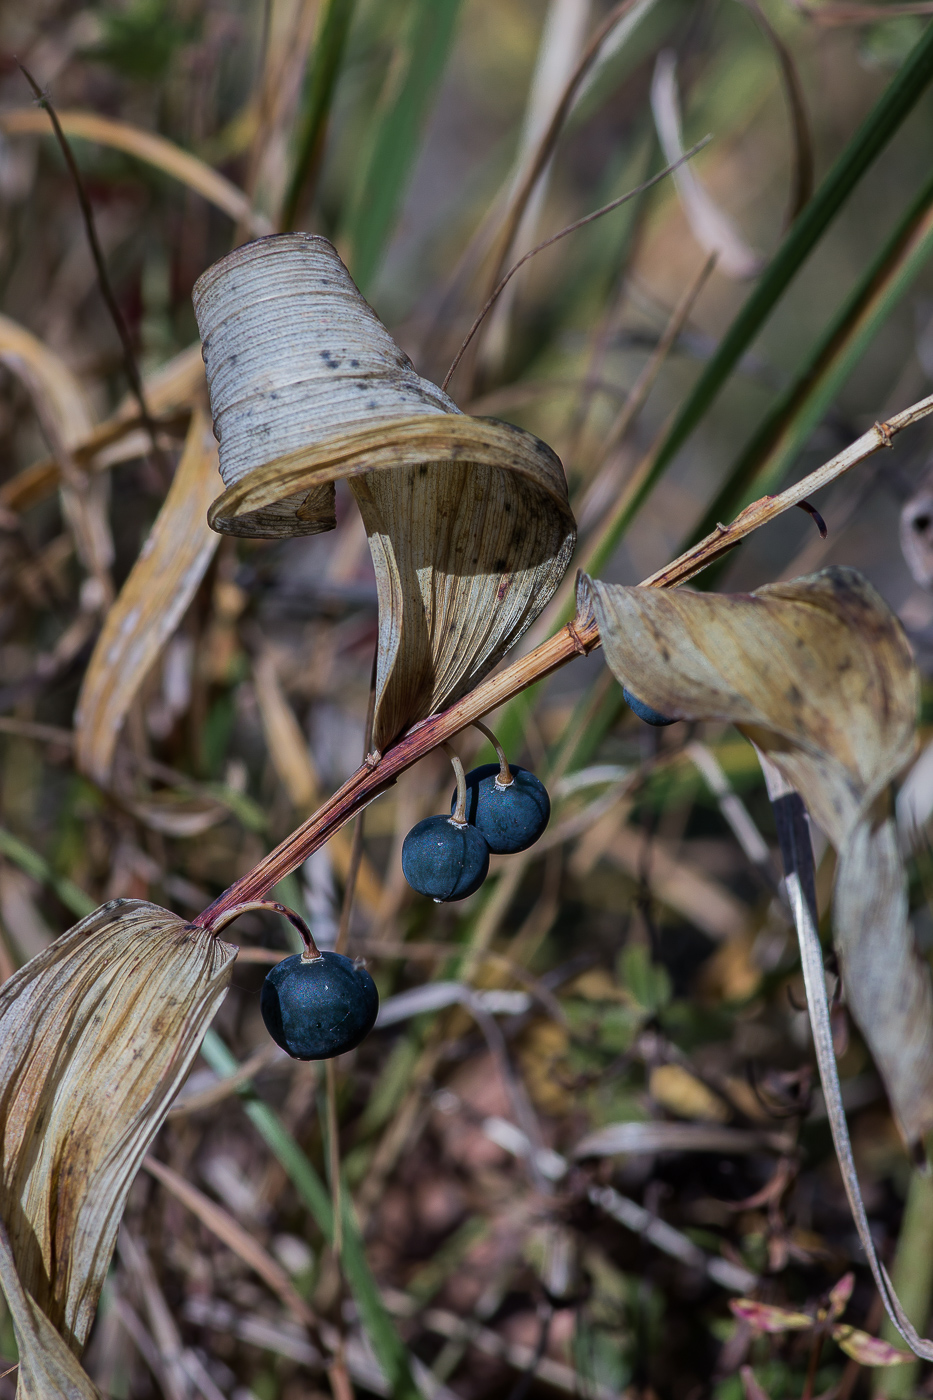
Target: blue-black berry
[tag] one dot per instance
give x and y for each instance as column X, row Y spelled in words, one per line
column 319, row 1007
column 644, row 711
column 511, row 817
column 444, row 859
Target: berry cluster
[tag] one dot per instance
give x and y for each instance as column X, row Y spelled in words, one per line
column 496, row 809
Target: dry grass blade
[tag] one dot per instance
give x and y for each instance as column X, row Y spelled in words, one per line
column 145, row 146
column 97, row 1034
column 65, row 416
column 150, row 606
column 820, row 676
column 797, row 854
column 711, row 228
column 222, row 1224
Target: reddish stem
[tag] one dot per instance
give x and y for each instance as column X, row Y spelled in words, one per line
column 576, row 639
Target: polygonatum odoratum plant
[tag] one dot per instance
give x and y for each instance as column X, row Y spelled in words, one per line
column 471, row 533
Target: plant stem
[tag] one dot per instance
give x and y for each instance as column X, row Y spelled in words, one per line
column 912, row 1276
column 578, row 638
column 505, row 773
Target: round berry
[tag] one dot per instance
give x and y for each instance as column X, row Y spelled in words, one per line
column 319, row 1007
column 511, row 818
column 444, row 859
column 644, row 711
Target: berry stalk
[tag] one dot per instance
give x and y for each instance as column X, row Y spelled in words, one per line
column 578, row 638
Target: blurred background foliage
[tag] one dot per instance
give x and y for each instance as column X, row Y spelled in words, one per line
column 653, row 976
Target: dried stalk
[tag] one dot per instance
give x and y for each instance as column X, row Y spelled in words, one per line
column 578, row 638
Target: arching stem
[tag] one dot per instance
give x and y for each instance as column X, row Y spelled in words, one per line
column 311, row 953
column 459, row 813
column 505, row 778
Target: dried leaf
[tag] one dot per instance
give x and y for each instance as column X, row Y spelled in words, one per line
column 866, row 1350
column 96, row 1035
column 763, row 1317
column 146, row 146
column 151, row 603
column 713, row 230
column 468, row 520
column 819, row 674
column 46, row 1366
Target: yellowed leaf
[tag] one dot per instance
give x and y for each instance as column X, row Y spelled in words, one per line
column 468, row 519
column 764, row 1317
column 161, row 584
column 818, row 673
column 96, row 1035
column 145, row 146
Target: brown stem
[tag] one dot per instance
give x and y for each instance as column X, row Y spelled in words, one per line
column 505, row 773
column 578, row 638
column 458, row 815
column 226, row 916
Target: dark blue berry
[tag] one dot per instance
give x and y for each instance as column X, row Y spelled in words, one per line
column 444, row 859
column 644, row 711
column 510, row 818
column 320, row 1008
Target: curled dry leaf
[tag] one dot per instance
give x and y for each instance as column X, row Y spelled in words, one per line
column 160, row 586
column 468, row 520
column 819, row 675
column 96, row 1035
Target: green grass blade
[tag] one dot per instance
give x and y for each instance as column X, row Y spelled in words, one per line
column 398, row 129
column 386, row 1342
column 70, row 894
column 316, row 104
column 785, row 430
column 873, row 135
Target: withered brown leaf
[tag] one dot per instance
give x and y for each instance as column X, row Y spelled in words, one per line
column 468, row 519
column 819, row 675
column 96, row 1035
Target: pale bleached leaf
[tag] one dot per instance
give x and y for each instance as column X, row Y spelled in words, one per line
column 96, row 1035
column 152, row 601
column 868, row 1350
column 818, row 673
column 711, row 227
column 46, row 1366
column 468, row 519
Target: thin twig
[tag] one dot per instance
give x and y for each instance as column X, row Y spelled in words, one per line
column 578, row 638
column 90, row 227
column 555, row 237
